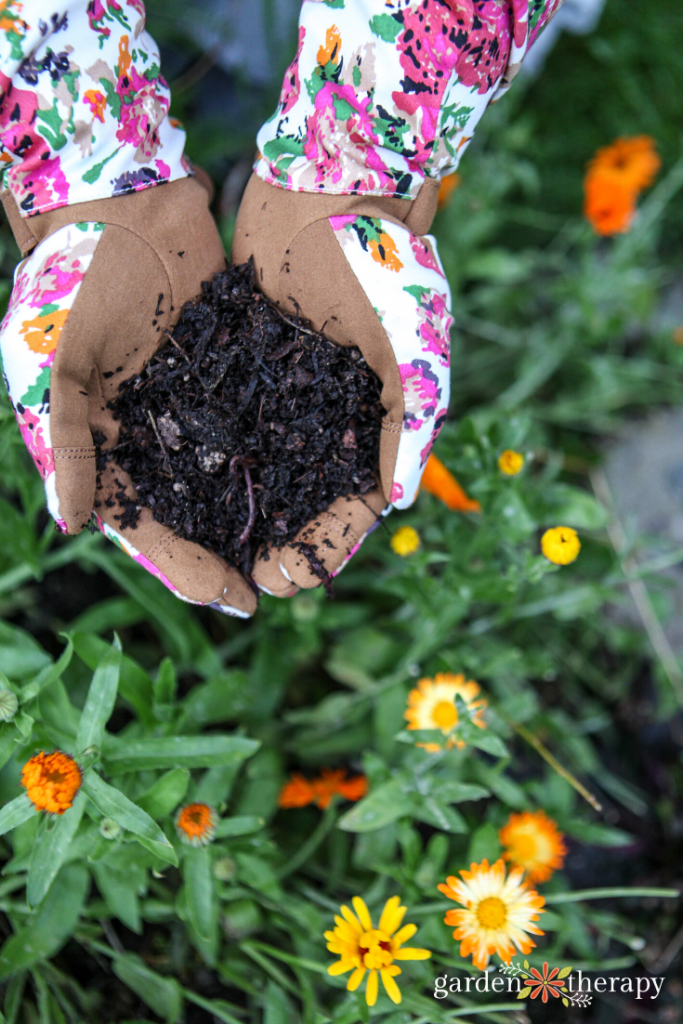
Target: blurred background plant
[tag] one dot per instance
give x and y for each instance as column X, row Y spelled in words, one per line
column 563, row 339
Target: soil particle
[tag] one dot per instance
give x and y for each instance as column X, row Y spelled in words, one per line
column 246, row 425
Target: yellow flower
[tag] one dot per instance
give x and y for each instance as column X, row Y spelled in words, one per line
column 51, row 781
column 405, row 541
column 499, row 912
column 510, row 463
column 432, row 706
column 196, row 824
column 362, row 948
column 532, row 842
column 560, row 545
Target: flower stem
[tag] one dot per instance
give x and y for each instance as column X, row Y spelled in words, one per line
column 606, row 894
column 541, row 749
column 316, row 837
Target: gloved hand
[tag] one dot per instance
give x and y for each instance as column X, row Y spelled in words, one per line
column 119, row 237
column 361, row 270
column 375, row 108
column 89, row 308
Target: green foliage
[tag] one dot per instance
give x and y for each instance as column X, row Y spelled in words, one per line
column 162, row 704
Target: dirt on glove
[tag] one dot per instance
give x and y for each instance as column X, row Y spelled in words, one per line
column 246, row 425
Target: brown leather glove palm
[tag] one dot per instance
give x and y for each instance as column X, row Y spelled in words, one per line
column 362, row 270
column 89, row 308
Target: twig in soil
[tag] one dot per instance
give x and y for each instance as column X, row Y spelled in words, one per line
column 297, row 327
column 317, row 568
column 167, row 461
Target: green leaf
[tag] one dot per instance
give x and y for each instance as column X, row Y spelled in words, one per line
column 50, row 850
column 565, row 972
column 440, row 815
column 595, row 834
column 176, row 751
column 163, row 995
column 199, row 884
column 570, row 506
column 113, row 804
column 217, row 700
column 378, row 808
column 47, row 675
column 166, row 793
column 100, row 700
column 484, row 844
column 238, row 826
column 525, row 993
column 490, row 742
column 120, row 894
column 135, row 685
column 452, row 792
column 53, row 924
column 16, row 812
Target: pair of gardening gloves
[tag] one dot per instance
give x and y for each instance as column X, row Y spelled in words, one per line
column 117, row 234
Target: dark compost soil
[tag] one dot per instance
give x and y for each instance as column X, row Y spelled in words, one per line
column 247, row 424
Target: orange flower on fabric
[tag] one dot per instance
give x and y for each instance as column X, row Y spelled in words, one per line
column 499, row 912
column 533, row 842
column 362, row 948
column 609, row 204
column 448, row 185
column 196, row 824
column 635, row 161
column 384, row 251
column 97, row 101
column 431, row 705
column 42, row 333
column 330, row 51
column 440, row 482
column 299, row 791
column 51, row 781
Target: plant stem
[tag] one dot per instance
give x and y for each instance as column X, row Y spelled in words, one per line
column 308, row 848
column 541, row 749
column 606, row 894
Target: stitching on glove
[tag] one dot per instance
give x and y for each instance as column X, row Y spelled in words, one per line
column 161, row 546
column 74, row 453
column 393, row 428
column 345, row 532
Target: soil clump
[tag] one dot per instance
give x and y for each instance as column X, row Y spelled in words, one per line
column 246, row 425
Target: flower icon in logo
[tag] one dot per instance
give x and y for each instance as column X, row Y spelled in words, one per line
column 544, row 983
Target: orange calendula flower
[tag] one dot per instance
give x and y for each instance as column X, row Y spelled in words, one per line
column 330, row 51
column 432, row 706
column 634, row 161
column 440, row 482
column 533, row 842
column 499, row 912
column 609, row 204
column 196, row 824
column 299, row 791
column 362, row 948
column 448, row 185
column 383, row 250
column 511, row 463
column 51, row 781
column 561, row 545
